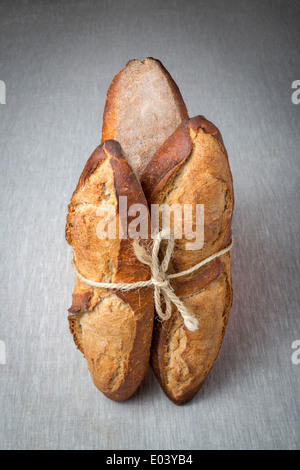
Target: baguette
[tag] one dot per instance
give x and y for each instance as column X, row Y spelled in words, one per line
column 192, row 167
column 143, row 107
column 112, row 328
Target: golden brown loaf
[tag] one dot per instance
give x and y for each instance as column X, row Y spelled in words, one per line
column 191, row 167
column 111, row 328
column 180, row 161
column 143, row 107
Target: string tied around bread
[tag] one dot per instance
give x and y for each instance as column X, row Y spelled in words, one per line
column 160, row 279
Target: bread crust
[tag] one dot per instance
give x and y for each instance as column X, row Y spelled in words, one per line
column 143, row 107
column 192, row 167
column 113, row 329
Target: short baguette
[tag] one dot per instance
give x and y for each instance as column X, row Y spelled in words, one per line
column 113, row 329
column 192, row 167
column 143, row 107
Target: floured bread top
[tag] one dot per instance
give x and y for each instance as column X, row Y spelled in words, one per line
column 143, row 108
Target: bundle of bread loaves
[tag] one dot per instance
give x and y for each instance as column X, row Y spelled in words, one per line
column 152, row 155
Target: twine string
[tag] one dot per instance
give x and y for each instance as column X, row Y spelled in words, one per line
column 160, row 280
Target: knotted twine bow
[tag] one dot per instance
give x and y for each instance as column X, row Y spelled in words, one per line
column 160, row 280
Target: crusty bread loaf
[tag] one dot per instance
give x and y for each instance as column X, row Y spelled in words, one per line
column 143, row 107
column 113, row 329
column 192, row 167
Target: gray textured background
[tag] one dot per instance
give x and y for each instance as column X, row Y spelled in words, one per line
column 234, row 62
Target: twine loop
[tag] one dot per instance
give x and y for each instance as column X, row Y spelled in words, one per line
column 160, row 280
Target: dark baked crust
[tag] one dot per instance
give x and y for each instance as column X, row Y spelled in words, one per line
column 174, row 151
column 143, row 107
column 193, row 164
column 137, row 306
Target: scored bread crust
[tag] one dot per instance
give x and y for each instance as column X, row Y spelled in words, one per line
column 143, row 108
column 112, row 328
column 192, row 167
